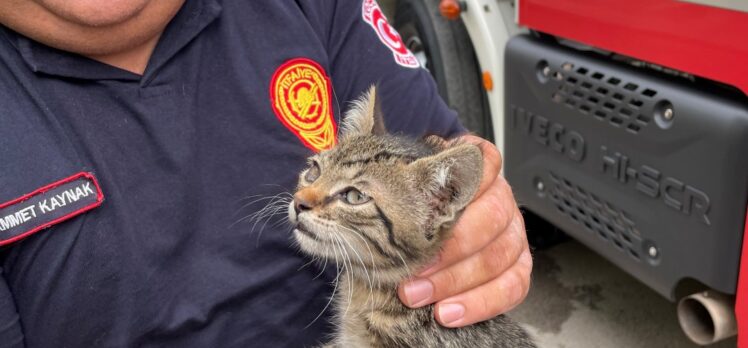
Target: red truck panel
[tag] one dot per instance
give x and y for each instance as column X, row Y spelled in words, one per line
column 741, row 305
column 701, row 40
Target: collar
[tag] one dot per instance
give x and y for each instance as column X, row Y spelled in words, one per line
column 190, row 20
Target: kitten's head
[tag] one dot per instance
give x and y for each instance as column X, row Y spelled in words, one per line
column 382, row 201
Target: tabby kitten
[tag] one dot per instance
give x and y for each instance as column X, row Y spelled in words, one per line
column 380, row 206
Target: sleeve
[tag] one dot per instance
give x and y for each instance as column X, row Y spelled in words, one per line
column 11, row 334
column 364, row 49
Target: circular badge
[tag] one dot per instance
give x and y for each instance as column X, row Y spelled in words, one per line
column 300, row 92
column 373, row 15
column 389, row 35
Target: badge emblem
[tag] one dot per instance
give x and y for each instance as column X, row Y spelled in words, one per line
column 300, row 92
column 388, row 35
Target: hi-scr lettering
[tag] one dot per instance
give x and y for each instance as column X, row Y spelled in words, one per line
column 550, row 134
column 651, row 182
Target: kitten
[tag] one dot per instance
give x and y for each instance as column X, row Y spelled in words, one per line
column 381, row 206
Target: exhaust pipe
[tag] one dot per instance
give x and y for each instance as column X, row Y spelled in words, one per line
column 707, row 317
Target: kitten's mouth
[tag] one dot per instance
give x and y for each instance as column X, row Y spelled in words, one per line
column 304, row 232
column 301, row 229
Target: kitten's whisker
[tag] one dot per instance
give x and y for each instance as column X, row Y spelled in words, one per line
column 344, row 255
column 324, row 266
column 371, row 257
column 277, row 204
column 363, row 264
column 341, row 268
column 334, row 290
column 274, row 200
column 283, row 220
column 269, row 210
column 347, row 267
column 261, row 197
column 248, row 198
column 404, row 263
column 272, row 208
column 358, row 256
column 264, row 198
column 254, row 196
column 269, row 216
column 314, row 258
column 373, row 264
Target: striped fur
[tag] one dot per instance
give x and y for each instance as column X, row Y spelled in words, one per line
column 417, row 189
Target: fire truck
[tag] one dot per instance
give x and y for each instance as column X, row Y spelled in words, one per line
column 623, row 123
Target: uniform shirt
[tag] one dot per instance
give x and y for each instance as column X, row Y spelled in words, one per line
column 180, row 154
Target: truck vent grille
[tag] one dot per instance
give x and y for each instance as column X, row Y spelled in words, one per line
column 607, row 98
column 596, row 215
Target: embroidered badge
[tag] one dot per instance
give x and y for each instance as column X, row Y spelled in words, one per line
column 388, row 35
column 47, row 206
column 300, row 92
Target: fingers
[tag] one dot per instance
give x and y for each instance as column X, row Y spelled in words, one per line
column 476, row 269
column 481, row 222
column 484, row 268
column 488, row 300
column 481, row 267
column 491, row 161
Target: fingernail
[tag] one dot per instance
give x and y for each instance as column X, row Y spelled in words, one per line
column 451, row 313
column 418, row 292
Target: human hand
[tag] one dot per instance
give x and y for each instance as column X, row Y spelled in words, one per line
column 484, row 269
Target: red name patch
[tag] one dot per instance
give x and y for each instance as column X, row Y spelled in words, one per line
column 47, row 206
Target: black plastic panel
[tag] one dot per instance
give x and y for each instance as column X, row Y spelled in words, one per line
column 649, row 172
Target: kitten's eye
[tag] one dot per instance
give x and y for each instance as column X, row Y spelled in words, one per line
column 355, row 197
column 312, row 173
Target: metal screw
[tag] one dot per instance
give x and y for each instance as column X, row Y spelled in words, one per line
column 653, row 252
column 540, row 186
column 558, row 76
column 546, row 71
column 567, row 66
column 557, row 97
column 668, row 114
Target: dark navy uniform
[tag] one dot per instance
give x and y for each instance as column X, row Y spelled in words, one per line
column 160, row 262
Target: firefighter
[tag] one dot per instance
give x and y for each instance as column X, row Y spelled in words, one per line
column 130, row 134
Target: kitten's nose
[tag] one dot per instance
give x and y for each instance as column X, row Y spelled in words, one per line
column 300, row 206
column 304, row 200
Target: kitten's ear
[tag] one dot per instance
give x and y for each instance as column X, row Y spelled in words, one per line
column 365, row 117
column 450, row 178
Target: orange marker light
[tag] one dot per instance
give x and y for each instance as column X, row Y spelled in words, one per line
column 487, row 81
column 450, row 9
